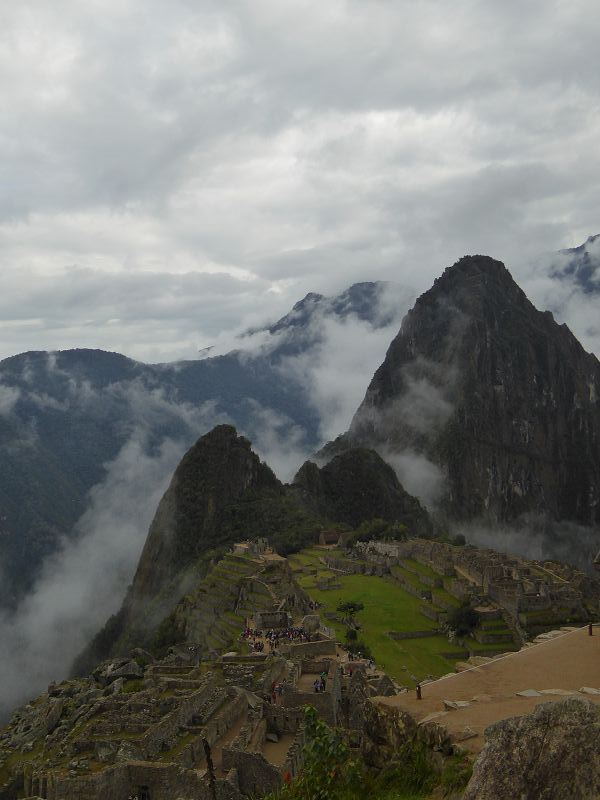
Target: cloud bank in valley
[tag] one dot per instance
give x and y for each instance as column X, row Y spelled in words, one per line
column 84, row 582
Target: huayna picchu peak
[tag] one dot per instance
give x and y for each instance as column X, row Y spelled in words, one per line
column 496, row 395
column 222, row 492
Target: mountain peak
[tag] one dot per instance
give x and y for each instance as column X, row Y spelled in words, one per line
column 473, row 272
column 492, row 395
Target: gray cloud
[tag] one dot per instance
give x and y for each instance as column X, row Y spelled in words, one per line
column 169, row 171
column 337, row 371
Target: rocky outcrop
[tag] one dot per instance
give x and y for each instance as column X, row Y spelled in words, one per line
column 356, row 486
column 580, row 264
column 220, row 493
column 551, row 754
column 387, row 729
column 499, row 397
column 219, row 470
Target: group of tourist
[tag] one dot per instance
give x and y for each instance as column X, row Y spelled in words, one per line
column 273, row 638
column 276, row 696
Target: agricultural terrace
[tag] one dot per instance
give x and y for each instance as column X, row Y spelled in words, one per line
column 388, row 608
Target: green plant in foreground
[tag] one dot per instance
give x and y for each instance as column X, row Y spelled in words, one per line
column 332, row 772
column 456, row 774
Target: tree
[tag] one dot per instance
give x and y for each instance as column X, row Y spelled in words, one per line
column 351, row 607
column 463, row 620
column 328, row 767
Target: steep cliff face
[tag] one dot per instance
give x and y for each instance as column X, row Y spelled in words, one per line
column 220, row 493
column 495, row 393
column 357, row 486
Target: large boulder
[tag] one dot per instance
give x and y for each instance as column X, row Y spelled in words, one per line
column 550, row 754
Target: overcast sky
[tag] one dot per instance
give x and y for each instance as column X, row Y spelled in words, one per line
column 172, row 170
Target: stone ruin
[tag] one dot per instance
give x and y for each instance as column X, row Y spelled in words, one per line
column 140, row 726
column 534, row 595
column 253, row 547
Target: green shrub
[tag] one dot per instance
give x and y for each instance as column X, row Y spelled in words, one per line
column 359, row 647
column 351, row 607
column 412, row 770
column 456, row 774
column 167, row 635
column 133, row 685
column 330, row 772
column 463, row 619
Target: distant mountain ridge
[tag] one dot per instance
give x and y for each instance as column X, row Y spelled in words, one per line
column 582, row 264
column 65, row 415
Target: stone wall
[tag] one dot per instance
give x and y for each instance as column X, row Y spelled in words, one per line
column 282, row 720
column 316, row 666
column 265, row 620
column 327, row 703
column 322, row 647
column 295, row 757
column 164, row 734
column 164, row 782
column 431, row 613
column 255, row 775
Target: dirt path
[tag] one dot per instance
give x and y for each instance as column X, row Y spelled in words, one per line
column 566, row 663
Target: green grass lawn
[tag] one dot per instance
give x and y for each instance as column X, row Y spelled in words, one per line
column 409, row 577
column 423, row 569
column 442, row 594
column 388, row 607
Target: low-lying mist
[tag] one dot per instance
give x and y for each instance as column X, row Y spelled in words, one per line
column 538, row 538
column 85, row 582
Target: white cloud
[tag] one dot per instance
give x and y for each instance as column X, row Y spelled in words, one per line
column 85, row 581
column 337, row 372
column 170, row 171
column 8, row 399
